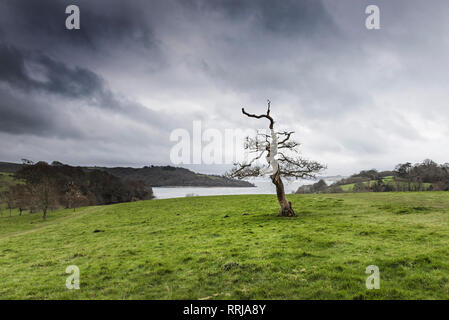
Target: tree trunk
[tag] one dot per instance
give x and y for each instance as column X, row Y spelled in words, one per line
column 45, row 214
column 286, row 206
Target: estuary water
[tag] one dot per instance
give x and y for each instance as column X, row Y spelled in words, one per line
column 262, row 186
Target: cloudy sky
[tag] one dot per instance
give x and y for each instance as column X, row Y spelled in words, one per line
column 112, row 92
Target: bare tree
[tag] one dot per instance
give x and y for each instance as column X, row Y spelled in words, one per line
column 73, row 196
column 283, row 160
column 8, row 198
column 45, row 195
column 41, row 182
column 22, row 197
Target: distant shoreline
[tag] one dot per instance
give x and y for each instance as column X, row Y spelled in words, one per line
column 253, row 186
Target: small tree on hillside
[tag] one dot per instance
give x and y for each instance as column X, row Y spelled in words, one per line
column 404, row 171
column 41, row 180
column 73, row 196
column 45, row 195
column 283, row 160
column 22, row 197
column 8, row 199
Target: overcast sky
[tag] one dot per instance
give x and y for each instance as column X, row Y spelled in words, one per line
column 111, row 92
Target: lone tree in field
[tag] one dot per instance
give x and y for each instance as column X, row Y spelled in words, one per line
column 283, row 160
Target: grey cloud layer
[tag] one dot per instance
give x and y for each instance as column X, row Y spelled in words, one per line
column 138, row 69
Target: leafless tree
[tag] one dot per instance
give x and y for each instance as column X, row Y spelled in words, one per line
column 22, row 197
column 283, row 160
column 73, row 197
column 8, row 198
column 45, row 195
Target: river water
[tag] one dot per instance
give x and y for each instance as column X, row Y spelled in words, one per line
column 262, row 186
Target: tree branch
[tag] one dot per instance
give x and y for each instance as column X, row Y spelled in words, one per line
column 267, row 115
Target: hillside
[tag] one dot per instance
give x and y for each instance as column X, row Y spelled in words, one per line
column 424, row 176
column 233, row 247
column 41, row 186
column 9, row 167
column 157, row 176
column 173, row 176
column 6, row 180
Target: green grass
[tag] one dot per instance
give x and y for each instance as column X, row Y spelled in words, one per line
column 233, row 247
column 348, row 187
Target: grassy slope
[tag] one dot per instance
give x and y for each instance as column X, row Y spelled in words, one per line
column 203, row 247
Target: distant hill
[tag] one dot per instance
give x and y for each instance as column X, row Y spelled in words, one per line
column 331, row 178
column 157, row 176
column 9, row 167
column 424, row 176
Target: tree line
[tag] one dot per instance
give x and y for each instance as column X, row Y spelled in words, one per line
column 43, row 187
column 424, row 176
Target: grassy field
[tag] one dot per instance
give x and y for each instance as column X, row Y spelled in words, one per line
column 233, row 247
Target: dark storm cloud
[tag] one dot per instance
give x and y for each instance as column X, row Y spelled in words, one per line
column 21, row 111
column 12, row 68
column 44, row 21
column 17, row 69
column 18, row 117
column 288, row 17
column 27, row 114
column 38, row 72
